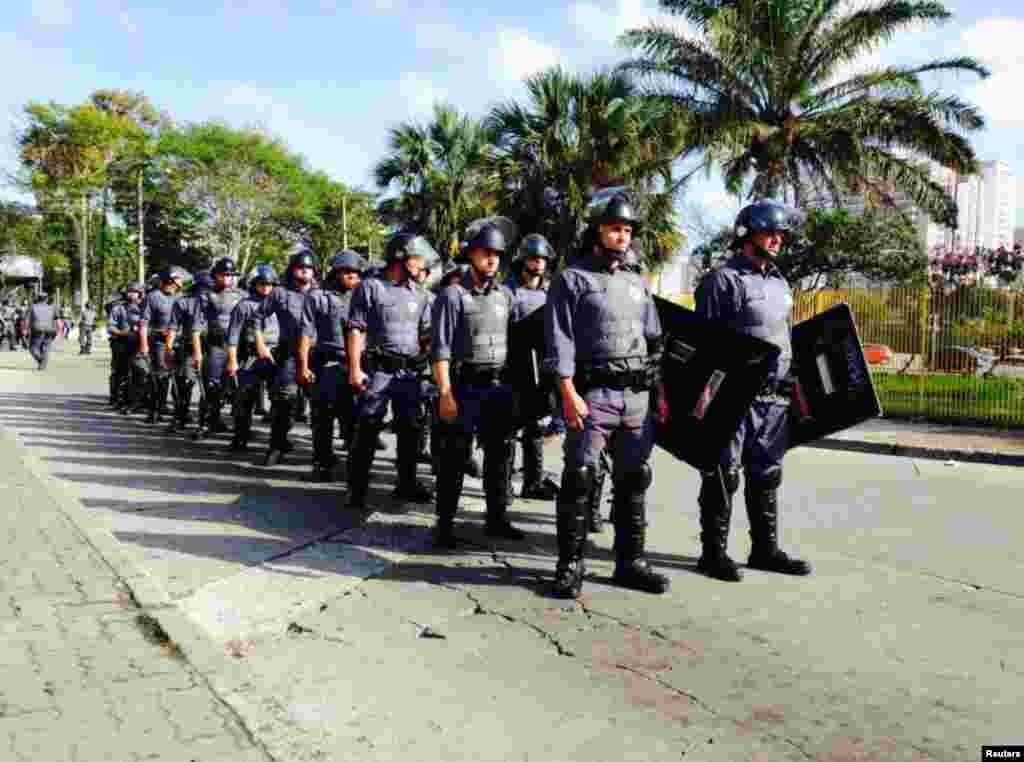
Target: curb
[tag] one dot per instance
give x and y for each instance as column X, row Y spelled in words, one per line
column 989, row 457
column 212, row 665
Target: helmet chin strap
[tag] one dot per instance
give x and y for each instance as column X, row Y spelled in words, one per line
column 482, row 276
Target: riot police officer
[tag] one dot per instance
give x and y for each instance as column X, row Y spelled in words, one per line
column 324, row 320
column 123, row 329
column 86, row 328
column 529, row 282
column 604, row 336
column 259, row 340
column 42, row 322
column 469, row 352
column 214, row 319
column 750, row 294
column 286, row 303
column 184, row 317
column 389, row 316
column 157, row 321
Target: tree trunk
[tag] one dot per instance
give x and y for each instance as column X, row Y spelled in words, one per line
column 83, row 251
column 142, row 232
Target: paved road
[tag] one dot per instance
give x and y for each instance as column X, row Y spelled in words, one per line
column 338, row 638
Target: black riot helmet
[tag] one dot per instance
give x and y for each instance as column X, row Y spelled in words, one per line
column 134, row 287
column 263, row 274
column 401, row 246
column 533, row 245
column 302, row 258
column 610, row 206
column 225, row 266
column 169, row 274
column 492, row 233
column 765, row 216
column 346, row 260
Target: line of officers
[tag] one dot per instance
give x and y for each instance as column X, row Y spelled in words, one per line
column 356, row 346
column 34, row 327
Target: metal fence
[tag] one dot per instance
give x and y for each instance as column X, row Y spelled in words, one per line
column 954, row 355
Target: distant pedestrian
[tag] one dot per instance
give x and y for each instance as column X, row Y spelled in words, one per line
column 42, row 323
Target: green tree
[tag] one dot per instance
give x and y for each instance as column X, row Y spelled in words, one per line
column 765, row 96
column 436, row 169
column 576, row 134
column 241, row 183
column 832, row 244
column 65, row 154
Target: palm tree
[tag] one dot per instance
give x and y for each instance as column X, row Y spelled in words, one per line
column 436, row 170
column 763, row 88
column 574, row 135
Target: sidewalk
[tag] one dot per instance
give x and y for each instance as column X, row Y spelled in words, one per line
column 85, row 675
column 966, row 444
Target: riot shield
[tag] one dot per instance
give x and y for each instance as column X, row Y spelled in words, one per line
column 537, row 393
column 711, row 376
column 836, row 391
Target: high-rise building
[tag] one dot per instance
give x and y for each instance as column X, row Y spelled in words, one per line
column 999, row 208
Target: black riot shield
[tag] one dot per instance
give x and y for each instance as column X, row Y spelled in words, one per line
column 836, row 391
column 711, row 376
column 537, row 393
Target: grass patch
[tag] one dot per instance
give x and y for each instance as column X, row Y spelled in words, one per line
column 951, row 397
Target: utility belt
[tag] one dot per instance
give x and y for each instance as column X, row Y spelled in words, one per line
column 387, row 362
column 606, row 378
column 480, row 375
column 324, row 357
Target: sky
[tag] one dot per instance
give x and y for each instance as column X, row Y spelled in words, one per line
column 331, row 77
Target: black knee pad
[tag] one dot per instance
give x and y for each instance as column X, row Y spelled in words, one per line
column 637, row 479
column 577, row 483
column 769, row 479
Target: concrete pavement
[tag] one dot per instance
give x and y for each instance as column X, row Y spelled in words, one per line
column 334, row 637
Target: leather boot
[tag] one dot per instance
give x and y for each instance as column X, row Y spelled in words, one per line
column 571, row 526
column 281, row 411
column 215, row 416
column 631, row 568
column 407, row 447
column 322, row 429
column 243, row 426
column 536, row 486
column 452, row 448
column 360, row 461
column 202, row 421
column 715, row 500
column 497, row 466
column 765, row 555
column 595, row 523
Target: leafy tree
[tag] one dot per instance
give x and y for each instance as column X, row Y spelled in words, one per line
column 577, row 134
column 763, row 89
column 833, row 244
column 65, row 154
column 240, row 182
column 436, row 170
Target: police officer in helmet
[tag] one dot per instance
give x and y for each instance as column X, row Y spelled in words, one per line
column 750, row 294
column 389, row 333
column 286, row 304
column 214, row 319
column 469, row 352
column 604, row 336
column 184, row 317
column 157, row 322
column 324, row 321
column 529, row 282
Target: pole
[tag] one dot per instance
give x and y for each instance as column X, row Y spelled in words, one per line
column 344, row 221
column 142, row 228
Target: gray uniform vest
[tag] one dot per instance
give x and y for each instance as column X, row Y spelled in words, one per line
column 610, row 319
column 485, row 327
column 527, row 299
column 217, row 310
column 764, row 311
column 42, row 318
column 400, row 309
column 267, row 325
column 89, row 318
column 331, row 319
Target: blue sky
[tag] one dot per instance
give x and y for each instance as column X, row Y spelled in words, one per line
column 330, row 77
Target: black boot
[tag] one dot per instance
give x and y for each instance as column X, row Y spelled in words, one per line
column 214, row 411
column 631, row 568
column 452, row 448
column 536, row 486
column 409, row 488
column 360, row 461
column 497, row 465
column 281, row 412
column 716, row 491
column 243, row 425
column 571, row 525
column 595, row 523
column 322, row 428
column 763, row 513
column 423, row 454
